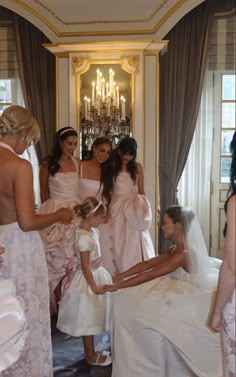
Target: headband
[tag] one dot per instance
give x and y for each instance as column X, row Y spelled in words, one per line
column 67, row 130
column 95, row 209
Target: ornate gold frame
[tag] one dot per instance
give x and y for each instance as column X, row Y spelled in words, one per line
column 81, row 65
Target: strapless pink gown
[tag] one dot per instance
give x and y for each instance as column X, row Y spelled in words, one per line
column 58, row 239
column 130, row 219
column 89, row 187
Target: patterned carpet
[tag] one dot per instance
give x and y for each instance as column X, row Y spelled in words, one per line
column 68, row 355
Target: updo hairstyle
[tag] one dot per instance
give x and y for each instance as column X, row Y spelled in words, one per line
column 88, row 206
column 16, row 119
column 181, row 215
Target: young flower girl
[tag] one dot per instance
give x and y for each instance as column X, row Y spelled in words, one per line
column 84, row 308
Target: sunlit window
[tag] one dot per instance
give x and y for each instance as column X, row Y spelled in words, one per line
column 228, row 105
column 10, row 93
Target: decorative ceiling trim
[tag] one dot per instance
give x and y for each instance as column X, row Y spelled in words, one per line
column 91, row 22
column 102, row 32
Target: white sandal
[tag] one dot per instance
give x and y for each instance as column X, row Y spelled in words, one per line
column 108, row 361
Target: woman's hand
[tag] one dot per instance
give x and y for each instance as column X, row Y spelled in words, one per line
column 65, row 215
column 116, row 278
column 111, row 287
column 98, row 290
column 2, row 250
column 215, row 323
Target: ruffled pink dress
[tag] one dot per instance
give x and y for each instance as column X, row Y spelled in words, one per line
column 130, row 219
column 89, row 187
column 58, row 239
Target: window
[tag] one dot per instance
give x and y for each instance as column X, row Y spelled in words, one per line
column 10, row 93
column 228, row 105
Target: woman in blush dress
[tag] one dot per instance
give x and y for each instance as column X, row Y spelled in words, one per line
column 24, row 258
column 94, row 175
column 224, row 310
column 59, row 187
column 130, row 213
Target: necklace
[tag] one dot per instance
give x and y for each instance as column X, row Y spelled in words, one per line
column 6, row 146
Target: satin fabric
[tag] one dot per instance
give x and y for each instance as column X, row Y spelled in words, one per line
column 13, row 325
column 159, row 329
column 81, row 311
column 89, row 187
column 130, row 220
column 58, row 238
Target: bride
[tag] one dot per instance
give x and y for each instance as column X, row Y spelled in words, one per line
column 159, row 327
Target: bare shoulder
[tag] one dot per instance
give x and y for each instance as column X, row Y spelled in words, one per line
column 139, row 167
column 231, row 211
column 232, row 203
column 78, row 161
column 86, row 162
column 24, row 165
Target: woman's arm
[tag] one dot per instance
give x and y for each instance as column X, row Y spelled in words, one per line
column 24, row 201
column 85, row 261
column 43, row 181
column 143, row 266
column 175, row 261
column 140, row 179
column 226, row 282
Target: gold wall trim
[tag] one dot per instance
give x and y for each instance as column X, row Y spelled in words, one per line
column 103, row 32
column 130, row 63
column 80, row 65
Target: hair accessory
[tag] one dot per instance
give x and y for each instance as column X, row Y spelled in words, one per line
column 67, row 130
column 95, row 209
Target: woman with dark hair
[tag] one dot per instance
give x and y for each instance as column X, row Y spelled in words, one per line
column 129, row 210
column 59, row 186
column 159, row 320
column 224, row 310
column 94, row 180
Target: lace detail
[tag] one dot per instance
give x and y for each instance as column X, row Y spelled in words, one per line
column 25, row 265
column 229, row 336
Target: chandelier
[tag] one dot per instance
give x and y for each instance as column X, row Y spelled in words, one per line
column 104, row 111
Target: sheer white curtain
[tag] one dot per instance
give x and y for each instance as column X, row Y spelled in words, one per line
column 195, row 183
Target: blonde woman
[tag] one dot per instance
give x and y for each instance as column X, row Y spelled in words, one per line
column 24, row 258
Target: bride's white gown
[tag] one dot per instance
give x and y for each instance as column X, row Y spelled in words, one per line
column 159, row 330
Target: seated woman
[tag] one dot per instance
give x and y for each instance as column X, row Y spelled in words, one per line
column 159, row 327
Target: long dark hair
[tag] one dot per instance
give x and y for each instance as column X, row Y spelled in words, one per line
column 61, row 135
column 106, row 177
column 129, row 146
column 232, row 180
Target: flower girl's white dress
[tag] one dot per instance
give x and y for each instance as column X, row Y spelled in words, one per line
column 81, row 311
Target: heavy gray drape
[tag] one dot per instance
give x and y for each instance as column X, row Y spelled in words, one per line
column 37, row 75
column 182, row 71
